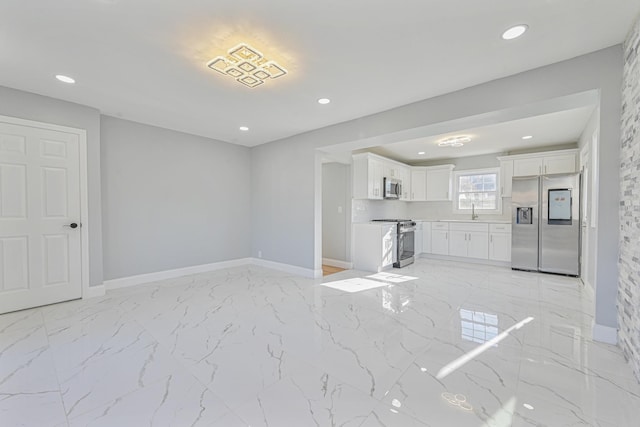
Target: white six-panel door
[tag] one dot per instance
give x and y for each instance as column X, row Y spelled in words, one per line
column 40, row 254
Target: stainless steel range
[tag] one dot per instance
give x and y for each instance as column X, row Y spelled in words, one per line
column 405, row 241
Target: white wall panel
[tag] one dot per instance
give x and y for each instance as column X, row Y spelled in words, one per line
column 53, row 149
column 12, row 143
column 56, row 259
column 13, row 191
column 14, row 256
column 54, row 189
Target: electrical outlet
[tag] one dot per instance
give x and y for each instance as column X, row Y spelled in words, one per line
column 339, row 209
column 259, row 254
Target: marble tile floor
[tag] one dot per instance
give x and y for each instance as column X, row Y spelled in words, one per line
column 460, row 345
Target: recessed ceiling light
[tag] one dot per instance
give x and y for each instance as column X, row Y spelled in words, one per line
column 421, row 152
column 527, row 137
column 514, row 32
column 526, row 405
column 65, row 79
column 324, row 101
column 244, row 128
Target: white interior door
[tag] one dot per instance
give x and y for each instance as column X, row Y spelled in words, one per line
column 40, row 251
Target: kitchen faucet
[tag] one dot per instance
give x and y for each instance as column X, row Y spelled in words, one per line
column 474, row 216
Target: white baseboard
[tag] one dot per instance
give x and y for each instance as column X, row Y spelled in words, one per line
column 288, row 268
column 93, row 291
column 337, row 263
column 605, row 334
column 139, row 279
column 124, row 282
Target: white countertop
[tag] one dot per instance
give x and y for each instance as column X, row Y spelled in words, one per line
column 484, row 221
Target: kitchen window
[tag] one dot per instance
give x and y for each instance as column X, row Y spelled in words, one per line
column 478, row 189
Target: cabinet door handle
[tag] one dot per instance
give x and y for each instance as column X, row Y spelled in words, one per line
column 501, row 190
column 465, row 236
column 469, row 236
column 491, row 238
column 545, row 168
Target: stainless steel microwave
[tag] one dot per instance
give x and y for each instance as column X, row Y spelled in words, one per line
column 392, row 188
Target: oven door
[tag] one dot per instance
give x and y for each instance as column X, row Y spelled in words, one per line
column 406, row 249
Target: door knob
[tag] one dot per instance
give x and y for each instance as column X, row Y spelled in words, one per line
column 72, row 225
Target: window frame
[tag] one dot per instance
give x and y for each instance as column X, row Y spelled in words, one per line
column 456, row 192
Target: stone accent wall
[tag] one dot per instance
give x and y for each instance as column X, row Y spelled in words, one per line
column 629, row 263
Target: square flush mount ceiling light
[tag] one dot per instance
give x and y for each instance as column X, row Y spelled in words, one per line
column 456, row 141
column 247, row 66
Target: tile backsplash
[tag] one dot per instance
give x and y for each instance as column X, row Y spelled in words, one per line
column 366, row 210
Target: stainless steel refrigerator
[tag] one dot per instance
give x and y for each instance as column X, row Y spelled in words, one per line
column 546, row 224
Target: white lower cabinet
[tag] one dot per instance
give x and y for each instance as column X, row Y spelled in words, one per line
column 374, row 246
column 440, row 238
column 458, row 243
column 470, row 240
column 500, row 242
column 478, row 245
column 418, row 184
column 417, row 238
column 426, row 237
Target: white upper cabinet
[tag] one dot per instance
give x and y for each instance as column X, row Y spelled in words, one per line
column 418, row 184
column 439, row 182
column 404, row 175
column 547, row 163
column 427, row 183
column 506, row 176
column 367, row 177
column 563, row 163
column 375, row 179
column 393, row 169
column 527, row 167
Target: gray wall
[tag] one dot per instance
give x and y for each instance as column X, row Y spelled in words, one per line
column 290, row 161
column 29, row 106
column 282, row 202
column 336, row 211
column 629, row 296
column 170, row 199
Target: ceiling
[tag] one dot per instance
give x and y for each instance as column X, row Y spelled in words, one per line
column 145, row 60
column 559, row 128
